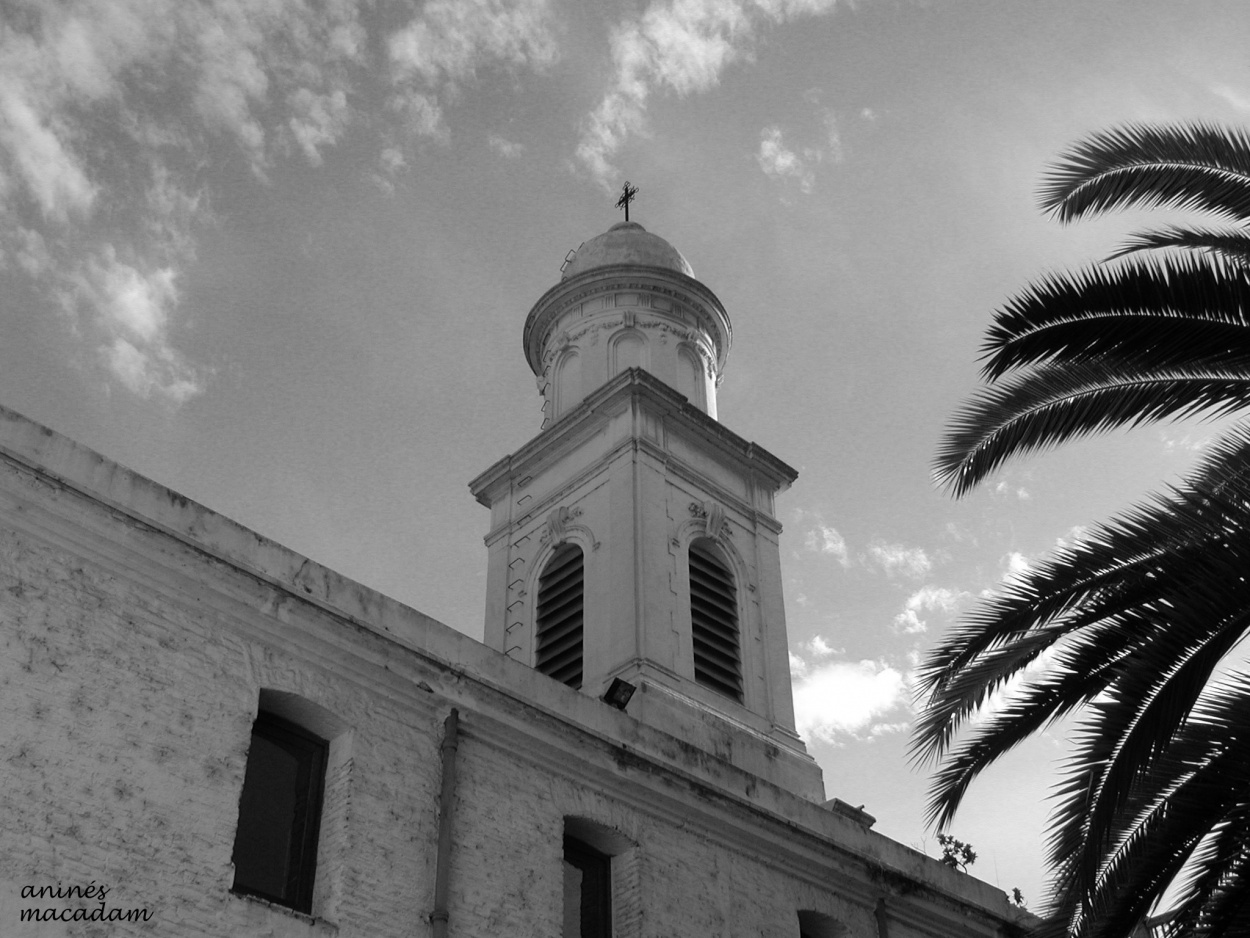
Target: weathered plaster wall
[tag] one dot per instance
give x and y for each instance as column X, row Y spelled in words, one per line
column 137, row 631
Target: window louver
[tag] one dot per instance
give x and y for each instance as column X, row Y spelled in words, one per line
column 714, row 621
column 559, row 637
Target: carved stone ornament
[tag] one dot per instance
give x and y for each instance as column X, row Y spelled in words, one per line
column 561, row 521
column 713, row 515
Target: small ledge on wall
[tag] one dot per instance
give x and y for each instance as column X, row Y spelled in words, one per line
column 858, row 815
column 260, row 916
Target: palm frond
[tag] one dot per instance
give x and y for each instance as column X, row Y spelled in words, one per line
column 1232, row 244
column 1191, row 311
column 1055, row 404
column 1142, row 609
column 1129, row 626
column 1187, row 166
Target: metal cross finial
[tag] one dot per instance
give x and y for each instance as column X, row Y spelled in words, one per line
column 627, row 195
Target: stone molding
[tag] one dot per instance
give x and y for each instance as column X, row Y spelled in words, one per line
column 695, row 299
column 560, row 523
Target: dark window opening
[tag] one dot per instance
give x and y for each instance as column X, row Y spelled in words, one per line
column 275, row 848
column 587, row 891
column 714, row 624
column 818, row 925
column 558, row 641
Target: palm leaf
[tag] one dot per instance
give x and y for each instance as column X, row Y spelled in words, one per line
column 1055, row 404
column 1129, row 626
column 1191, row 166
column 1231, row 244
column 1191, row 311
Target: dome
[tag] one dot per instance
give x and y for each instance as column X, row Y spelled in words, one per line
column 626, row 242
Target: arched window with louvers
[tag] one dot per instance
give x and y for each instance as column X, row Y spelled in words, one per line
column 714, row 621
column 559, row 616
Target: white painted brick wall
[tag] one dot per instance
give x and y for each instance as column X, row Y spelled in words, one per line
column 131, row 663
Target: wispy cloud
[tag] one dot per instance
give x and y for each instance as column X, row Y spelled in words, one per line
column 897, row 559
column 782, row 160
column 505, row 148
column 1231, row 96
column 1004, row 489
column 1185, row 442
column 52, row 175
column 838, row 701
column 678, row 46
column 446, row 44
column 927, row 600
column 103, row 212
column 778, row 161
column 826, row 540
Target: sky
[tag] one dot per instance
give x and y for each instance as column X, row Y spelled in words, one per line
column 277, row 255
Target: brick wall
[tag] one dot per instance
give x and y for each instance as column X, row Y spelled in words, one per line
column 134, row 648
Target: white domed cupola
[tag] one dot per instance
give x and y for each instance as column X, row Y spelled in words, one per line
column 626, row 299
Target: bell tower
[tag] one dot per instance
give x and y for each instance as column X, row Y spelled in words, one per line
column 634, row 537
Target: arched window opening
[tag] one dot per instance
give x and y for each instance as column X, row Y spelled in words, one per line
column 628, row 351
column 714, row 623
column 568, row 383
column 690, row 380
column 558, row 639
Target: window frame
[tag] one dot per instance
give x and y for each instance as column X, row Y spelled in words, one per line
column 596, row 869
column 720, row 639
column 553, row 594
column 312, row 753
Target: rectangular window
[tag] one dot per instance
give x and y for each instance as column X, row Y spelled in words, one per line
column 275, row 848
column 587, row 891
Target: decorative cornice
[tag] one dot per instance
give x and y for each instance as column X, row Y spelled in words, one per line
column 610, row 398
column 692, row 294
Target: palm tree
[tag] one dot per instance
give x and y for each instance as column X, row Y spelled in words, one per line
column 1134, row 627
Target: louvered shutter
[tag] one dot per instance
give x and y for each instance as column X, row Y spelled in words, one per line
column 714, row 619
column 559, row 636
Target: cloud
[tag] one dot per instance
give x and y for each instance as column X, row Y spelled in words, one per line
column 318, row 120
column 826, row 540
column 131, row 311
column 926, row 600
column 1187, row 442
column 679, row 46
column 1073, row 536
column 895, row 558
column 959, row 534
column 837, row 701
column 779, row 162
column 833, row 137
column 505, row 148
column 1004, row 489
column 1231, row 96
column 450, row 40
column 106, row 175
column 85, row 193
column 53, row 176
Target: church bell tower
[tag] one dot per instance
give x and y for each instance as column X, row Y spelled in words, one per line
column 634, row 537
